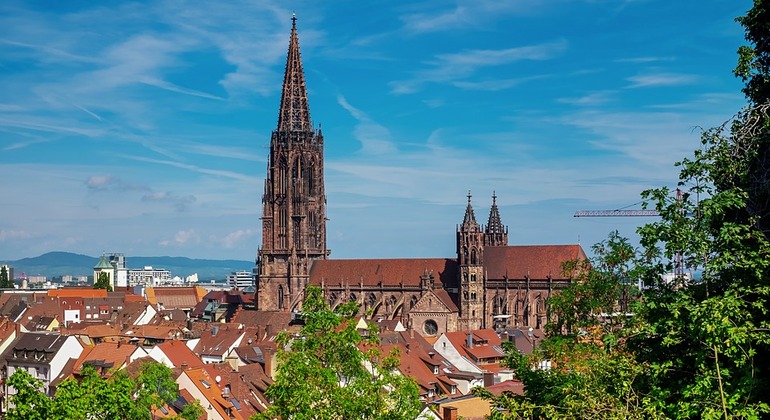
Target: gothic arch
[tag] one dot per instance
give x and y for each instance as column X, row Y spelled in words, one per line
column 473, row 256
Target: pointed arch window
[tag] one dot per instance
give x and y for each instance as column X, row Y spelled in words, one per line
column 412, row 302
column 473, row 256
column 280, row 297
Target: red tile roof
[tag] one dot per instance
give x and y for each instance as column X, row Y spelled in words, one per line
column 179, row 354
column 111, row 356
column 536, row 261
column 390, row 272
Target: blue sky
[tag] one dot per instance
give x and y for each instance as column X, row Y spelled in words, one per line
column 143, row 127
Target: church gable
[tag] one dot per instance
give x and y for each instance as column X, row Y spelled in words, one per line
column 430, row 302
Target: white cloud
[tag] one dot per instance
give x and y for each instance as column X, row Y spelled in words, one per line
column 233, row 239
column 182, row 237
column 453, row 68
column 661, row 79
column 13, row 234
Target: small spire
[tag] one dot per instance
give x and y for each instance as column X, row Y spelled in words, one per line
column 470, row 217
column 496, row 233
column 293, row 20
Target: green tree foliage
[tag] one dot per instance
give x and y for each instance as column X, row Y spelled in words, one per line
column 603, row 285
column 698, row 346
column 330, row 371
column 93, row 397
column 584, row 368
column 103, row 282
column 5, row 281
column 29, row 402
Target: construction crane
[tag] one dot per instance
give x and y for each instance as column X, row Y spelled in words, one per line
column 678, row 258
column 616, row 213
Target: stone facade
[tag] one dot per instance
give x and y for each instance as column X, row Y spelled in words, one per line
column 489, row 284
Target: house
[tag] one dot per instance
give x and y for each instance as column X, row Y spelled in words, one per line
column 107, row 357
column 217, row 342
column 205, row 387
column 176, row 355
column 43, row 354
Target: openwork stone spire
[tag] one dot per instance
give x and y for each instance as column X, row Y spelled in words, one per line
column 496, row 232
column 294, row 202
column 470, row 217
column 294, row 114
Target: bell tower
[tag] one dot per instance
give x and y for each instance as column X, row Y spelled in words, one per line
column 294, row 201
column 470, row 254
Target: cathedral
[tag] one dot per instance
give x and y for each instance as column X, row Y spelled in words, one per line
column 487, row 284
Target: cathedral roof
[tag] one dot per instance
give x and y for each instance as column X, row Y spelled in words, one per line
column 536, row 261
column 391, row 272
column 294, row 114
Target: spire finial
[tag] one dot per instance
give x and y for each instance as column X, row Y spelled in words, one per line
column 494, row 197
column 293, row 19
column 469, row 196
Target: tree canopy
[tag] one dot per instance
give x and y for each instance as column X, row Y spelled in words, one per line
column 5, row 281
column 103, row 282
column 330, row 371
column 93, row 397
column 698, row 344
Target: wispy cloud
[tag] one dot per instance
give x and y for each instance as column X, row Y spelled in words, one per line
column 453, row 68
column 182, row 237
column 374, row 138
column 233, row 239
column 13, row 234
column 589, row 99
column 180, row 203
column 464, row 13
column 661, row 79
column 110, row 182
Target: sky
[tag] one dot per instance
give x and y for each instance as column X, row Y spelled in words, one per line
column 143, row 127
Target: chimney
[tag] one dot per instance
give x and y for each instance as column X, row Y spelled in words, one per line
column 450, row 413
column 184, row 366
column 469, row 341
column 489, row 379
column 268, row 330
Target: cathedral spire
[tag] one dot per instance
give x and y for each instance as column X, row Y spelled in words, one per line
column 496, row 233
column 294, row 114
column 470, row 217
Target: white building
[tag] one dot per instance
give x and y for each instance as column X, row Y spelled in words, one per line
column 148, row 276
column 240, row 279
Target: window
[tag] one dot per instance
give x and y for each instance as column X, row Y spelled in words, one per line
column 430, row 327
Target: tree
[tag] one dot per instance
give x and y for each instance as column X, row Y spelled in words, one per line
column 29, row 402
column 5, row 281
column 103, row 282
column 90, row 396
column 592, row 373
column 330, row 371
column 601, row 285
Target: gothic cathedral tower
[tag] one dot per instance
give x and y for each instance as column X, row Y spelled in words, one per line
column 294, row 202
column 470, row 254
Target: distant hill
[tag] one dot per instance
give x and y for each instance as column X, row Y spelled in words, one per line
column 54, row 264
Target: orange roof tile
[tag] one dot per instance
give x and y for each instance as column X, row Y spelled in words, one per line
column 179, row 354
column 78, row 292
column 109, row 356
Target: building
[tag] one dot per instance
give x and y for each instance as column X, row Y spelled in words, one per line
column 42, row 354
column 487, row 284
column 294, row 201
column 240, row 279
column 104, row 267
column 148, row 276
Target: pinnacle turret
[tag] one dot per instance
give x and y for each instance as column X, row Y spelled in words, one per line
column 496, row 233
column 470, row 218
